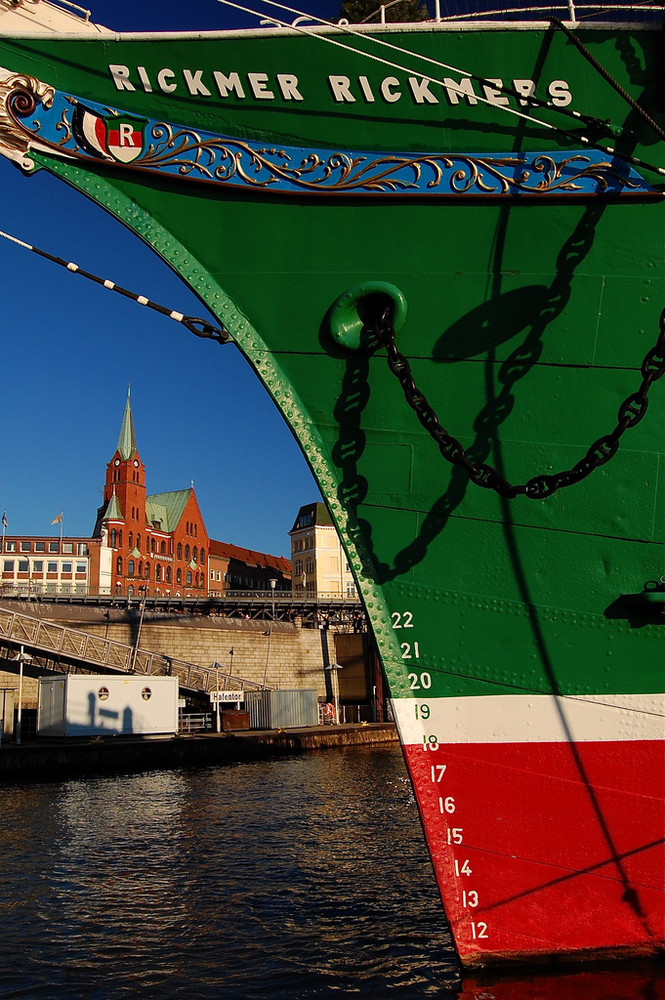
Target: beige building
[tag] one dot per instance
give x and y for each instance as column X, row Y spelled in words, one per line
column 318, row 561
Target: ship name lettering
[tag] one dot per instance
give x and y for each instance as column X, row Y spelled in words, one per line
column 344, row 90
column 193, row 82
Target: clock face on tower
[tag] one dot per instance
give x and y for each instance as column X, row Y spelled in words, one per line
column 117, row 461
column 136, row 463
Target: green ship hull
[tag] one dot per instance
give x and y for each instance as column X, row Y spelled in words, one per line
column 488, row 195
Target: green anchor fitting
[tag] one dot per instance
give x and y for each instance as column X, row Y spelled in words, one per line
column 353, row 317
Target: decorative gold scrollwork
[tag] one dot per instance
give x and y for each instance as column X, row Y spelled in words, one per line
column 19, row 96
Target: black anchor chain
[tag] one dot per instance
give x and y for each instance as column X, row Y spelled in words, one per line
column 601, row 451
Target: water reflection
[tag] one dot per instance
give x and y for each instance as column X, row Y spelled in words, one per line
column 295, row 878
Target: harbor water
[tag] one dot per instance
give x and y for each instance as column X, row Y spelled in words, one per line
column 299, row 877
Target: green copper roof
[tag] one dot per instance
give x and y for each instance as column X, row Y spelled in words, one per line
column 167, row 508
column 113, row 509
column 127, row 441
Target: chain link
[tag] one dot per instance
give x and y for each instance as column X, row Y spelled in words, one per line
column 601, row 451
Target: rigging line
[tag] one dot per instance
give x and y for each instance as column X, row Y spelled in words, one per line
column 388, row 62
column 591, row 59
column 200, row 327
column 510, row 91
column 570, row 135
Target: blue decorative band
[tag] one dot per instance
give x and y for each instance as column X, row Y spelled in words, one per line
column 67, row 126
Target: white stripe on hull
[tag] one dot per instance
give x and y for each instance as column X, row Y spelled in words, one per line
column 531, row 718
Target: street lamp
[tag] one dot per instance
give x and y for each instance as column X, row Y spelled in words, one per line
column 273, row 584
column 22, row 658
column 334, row 669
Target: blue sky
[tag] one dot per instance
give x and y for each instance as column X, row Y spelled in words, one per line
column 199, row 411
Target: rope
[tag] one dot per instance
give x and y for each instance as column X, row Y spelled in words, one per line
column 589, row 121
column 591, row 59
column 199, row 327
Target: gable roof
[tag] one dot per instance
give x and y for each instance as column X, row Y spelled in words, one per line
column 249, row 557
column 167, row 508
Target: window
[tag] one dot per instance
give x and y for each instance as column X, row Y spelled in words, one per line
column 66, row 567
column 23, row 566
column 158, row 574
column 168, row 574
column 54, row 546
column 9, row 565
column 118, row 566
column 68, row 548
column 147, row 571
column 152, row 544
column 25, row 546
column 309, row 565
column 187, row 552
column 114, row 538
column 130, row 567
column 162, row 548
column 178, row 576
column 52, row 567
column 179, row 551
column 212, row 574
column 131, row 539
column 38, row 566
column 81, row 567
column 40, row 547
column 82, row 549
column 189, row 577
column 203, row 558
column 138, row 541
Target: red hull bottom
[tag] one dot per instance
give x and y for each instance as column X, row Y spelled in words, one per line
column 546, row 849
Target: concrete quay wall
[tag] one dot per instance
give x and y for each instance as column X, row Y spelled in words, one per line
column 120, row 754
column 286, row 655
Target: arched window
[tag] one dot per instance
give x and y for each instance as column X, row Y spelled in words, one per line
column 203, row 557
column 147, row 571
column 120, row 539
column 152, row 544
column 138, row 542
column 196, row 531
column 118, row 566
column 162, row 548
column 130, row 567
column 179, row 550
column 131, row 539
column 114, row 538
column 158, row 574
column 178, row 576
column 196, row 581
column 189, row 577
column 187, row 551
column 186, row 527
column 168, row 574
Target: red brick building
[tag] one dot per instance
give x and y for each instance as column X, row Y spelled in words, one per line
column 157, row 544
column 233, row 567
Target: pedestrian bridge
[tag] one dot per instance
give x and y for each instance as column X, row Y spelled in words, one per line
column 62, row 649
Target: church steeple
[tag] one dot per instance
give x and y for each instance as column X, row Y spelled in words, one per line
column 126, row 441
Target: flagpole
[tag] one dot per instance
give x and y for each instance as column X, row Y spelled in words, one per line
column 4, row 525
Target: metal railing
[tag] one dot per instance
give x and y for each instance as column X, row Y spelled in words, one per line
column 53, row 641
